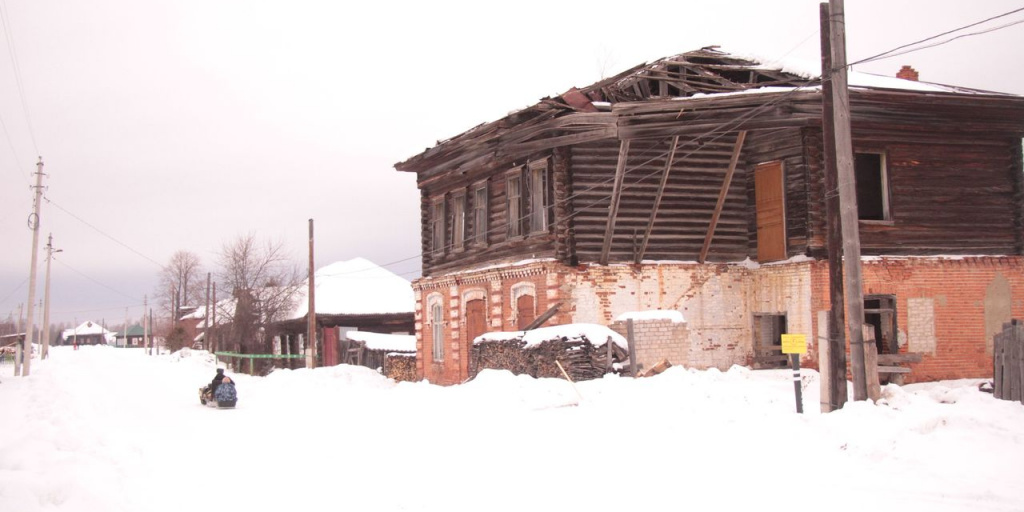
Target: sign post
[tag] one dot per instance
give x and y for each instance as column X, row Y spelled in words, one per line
column 794, row 345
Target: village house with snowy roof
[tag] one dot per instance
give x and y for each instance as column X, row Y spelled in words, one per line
column 353, row 297
column 696, row 184
column 87, row 333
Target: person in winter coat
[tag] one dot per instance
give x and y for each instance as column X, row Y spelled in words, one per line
column 217, row 379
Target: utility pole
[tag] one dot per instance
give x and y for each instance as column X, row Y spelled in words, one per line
column 311, row 312
column 33, row 224
column 46, row 298
column 145, row 333
column 206, row 315
column 213, row 328
column 834, row 395
column 152, row 335
column 847, row 189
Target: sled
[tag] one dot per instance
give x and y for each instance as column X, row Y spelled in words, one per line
column 206, row 398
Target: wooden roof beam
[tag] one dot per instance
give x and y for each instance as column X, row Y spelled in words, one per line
column 613, row 206
column 721, row 196
column 657, row 199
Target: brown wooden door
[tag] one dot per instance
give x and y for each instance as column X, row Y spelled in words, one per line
column 524, row 311
column 769, row 195
column 476, row 319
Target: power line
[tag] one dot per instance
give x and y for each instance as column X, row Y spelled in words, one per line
column 896, row 51
column 98, row 230
column 15, row 290
column 73, row 269
column 12, row 51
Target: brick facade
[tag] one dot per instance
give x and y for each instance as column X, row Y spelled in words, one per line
column 950, row 325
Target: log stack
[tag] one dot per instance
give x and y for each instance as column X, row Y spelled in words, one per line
column 401, row 367
column 581, row 358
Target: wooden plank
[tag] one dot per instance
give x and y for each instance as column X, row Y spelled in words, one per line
column 890, row 359
column 893, row 369
column 722, row 194
column 657, row 198
column 613, row 208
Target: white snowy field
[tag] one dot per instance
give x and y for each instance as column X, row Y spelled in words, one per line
column 105, row 429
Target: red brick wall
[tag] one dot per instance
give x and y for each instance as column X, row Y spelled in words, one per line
column 496, row 287
column 957, row 289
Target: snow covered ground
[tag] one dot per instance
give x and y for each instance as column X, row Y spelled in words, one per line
column 104, row 429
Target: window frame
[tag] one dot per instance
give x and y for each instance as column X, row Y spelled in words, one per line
column 458, row 221
column 540, row 178
column 437, row 226
column 480, row 213
column 885, row 194
column 435, row 310
column 514, row 221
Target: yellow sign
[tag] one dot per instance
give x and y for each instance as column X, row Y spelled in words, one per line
column 794, row 344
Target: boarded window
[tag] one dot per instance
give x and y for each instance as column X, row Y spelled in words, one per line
column 437, row 330
column 476, row 319
column 880, row 314
column 514, row 191
column 437, row 227
column 458, row 221
column 525, row 311
column 768, row 331
column 872, row 186
column 538, row 196
column 480, row 214
column 771, row 218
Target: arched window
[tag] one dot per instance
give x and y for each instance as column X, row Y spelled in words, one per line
column 524, row 304
column 435, row 309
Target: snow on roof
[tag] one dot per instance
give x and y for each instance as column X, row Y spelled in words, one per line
column 225, row 312
column 389, row 342
column 87, row 328
column 356, row 287
column 597, row 335
column 653, row 314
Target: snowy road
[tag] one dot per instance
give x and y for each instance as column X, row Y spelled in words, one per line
column 102, row 429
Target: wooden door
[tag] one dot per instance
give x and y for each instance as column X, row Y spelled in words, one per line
column 769, row 195
column 476, row 319
column 525, row 311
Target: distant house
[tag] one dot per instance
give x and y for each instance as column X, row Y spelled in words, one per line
column 696, row 183
column 88, row 333
column 351, row 295
column 134, row 337
column 197, row 325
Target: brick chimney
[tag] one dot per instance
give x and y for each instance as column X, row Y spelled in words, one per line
column 907, row 73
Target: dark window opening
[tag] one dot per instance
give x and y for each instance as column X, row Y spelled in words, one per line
column 768, row 331
column 880, row 315
column 872, row 186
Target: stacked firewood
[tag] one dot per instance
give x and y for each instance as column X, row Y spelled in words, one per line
column 579, row 356
column 401, row 367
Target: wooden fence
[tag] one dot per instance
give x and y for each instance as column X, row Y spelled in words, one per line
column 1008, row 361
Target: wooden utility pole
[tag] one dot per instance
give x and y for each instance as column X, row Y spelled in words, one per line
column 213, row 324
column 145, row 331
column 835, row 395
column 152, row 335
column 33, row 224
column 206, row 315
column 847, row 189
column 46, row 298
column 311, row 312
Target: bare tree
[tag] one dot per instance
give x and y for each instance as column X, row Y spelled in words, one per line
column 181, row 283
column 262, row 281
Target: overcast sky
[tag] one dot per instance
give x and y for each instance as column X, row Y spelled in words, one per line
column 180, row 125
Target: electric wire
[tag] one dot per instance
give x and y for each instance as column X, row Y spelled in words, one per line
column 891, row 53
column 95, row 281
column 12, row 51
column 105, row 234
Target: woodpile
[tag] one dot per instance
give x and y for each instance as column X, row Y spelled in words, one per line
column 579, row 356
column 400, row 367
